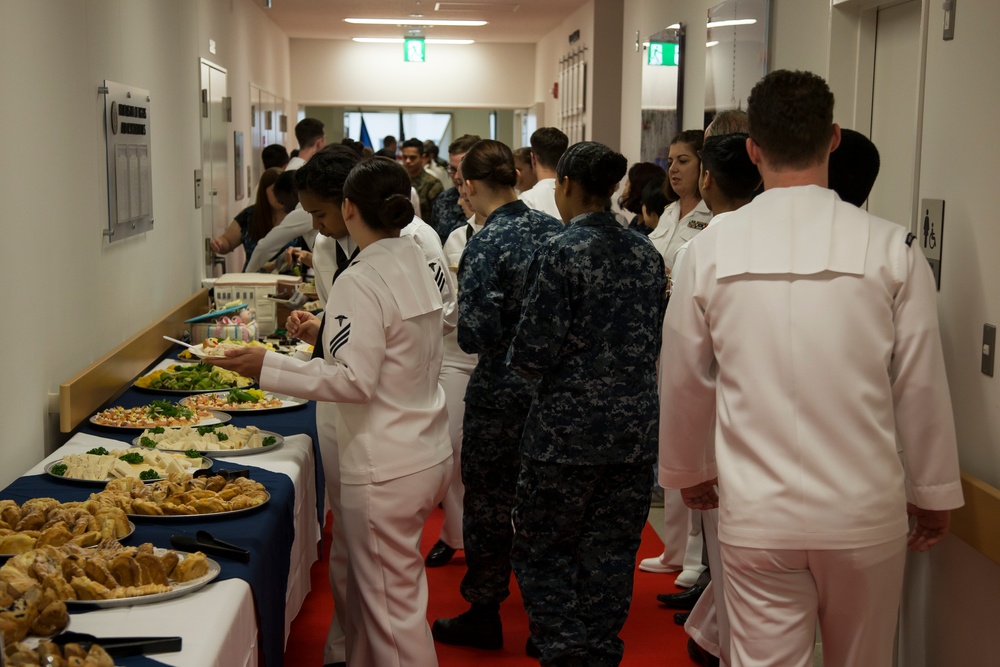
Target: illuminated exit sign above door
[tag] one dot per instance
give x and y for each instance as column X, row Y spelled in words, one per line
column 414, row 50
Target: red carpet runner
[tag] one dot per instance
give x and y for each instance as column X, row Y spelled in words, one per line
column 650, row 636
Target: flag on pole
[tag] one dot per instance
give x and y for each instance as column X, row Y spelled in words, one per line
column 365, row 138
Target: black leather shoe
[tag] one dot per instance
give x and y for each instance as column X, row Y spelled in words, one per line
column 681, row 618
column 684, row 600
column 480, row 627
column 531, row 649
column 440, row 554
column 700, row 655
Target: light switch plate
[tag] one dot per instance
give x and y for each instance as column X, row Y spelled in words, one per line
column 989, row 348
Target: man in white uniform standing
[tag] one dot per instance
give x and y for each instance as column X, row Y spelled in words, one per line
column 800, row 346
column 547, row 146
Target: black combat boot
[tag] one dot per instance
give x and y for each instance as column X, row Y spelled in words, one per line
column 480, row 627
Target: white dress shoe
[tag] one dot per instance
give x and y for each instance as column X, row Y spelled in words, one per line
column 687, row 579
column 657, row 566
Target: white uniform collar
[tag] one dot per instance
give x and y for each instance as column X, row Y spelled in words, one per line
column 801, row 230
column 398, row 262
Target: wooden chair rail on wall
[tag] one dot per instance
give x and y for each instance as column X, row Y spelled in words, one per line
column 110, row 375
column 978, row 521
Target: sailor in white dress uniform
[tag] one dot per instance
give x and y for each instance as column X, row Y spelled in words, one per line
column 382, row 346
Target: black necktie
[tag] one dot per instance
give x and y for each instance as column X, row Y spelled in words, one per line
column 343, row 261
column 468, row 232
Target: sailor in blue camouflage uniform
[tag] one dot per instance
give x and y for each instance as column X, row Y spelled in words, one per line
column 590, row 331
column 447, row 214
column 491, row 289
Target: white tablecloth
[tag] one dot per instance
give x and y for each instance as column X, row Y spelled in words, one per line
column 217, row 623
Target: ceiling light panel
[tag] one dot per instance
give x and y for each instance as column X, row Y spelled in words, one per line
column 411, row 21
column 481, row 7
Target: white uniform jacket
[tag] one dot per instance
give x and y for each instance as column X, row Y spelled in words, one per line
column 383, row 350
column 802, row 342
column 672, row 231
column 429, row 242
column 454, row 356
column 542, row 197
column 295, row 224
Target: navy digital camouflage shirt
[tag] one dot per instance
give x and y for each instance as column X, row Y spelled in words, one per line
column 490, row 291
column 448, row 214
column 590, row 330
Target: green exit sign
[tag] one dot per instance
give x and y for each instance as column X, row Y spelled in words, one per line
column 414, row 50
column 663, row 53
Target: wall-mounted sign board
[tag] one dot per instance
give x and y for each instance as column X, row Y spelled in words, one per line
column 127, row 137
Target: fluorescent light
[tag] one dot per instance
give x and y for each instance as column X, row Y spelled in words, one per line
column 731, row 22
column 399, row 40
column 709, row 45
column 411, row 21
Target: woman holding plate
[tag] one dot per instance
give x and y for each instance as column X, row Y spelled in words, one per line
column 382, row 358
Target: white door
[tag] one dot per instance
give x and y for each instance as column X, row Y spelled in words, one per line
column 216, row 170
column 895, row 96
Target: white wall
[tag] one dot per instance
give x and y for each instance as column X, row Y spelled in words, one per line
column 69, row 297
column 346, row 73
column 554, row 46
column 960, row 163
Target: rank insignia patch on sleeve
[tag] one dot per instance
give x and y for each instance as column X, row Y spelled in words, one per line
column 340, row 339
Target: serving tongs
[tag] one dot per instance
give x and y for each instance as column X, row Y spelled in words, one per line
column 121, row 647
column 206, row 543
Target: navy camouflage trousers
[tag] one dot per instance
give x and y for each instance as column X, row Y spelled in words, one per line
column 577, row 530
column 491, row 441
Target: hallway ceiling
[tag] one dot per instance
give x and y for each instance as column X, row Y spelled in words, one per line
column 516, row 21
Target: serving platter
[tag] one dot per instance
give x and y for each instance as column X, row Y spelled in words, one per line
column 213, row 419
column 131, row 529
column 206, row 372
column 179, row 590
column 279, row 440
column 171, row 518
column 217, row 401
column 206, row 464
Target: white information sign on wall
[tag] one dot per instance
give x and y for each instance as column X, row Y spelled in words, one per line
column 127, row 138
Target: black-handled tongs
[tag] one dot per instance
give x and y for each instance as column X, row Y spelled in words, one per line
column 224, row 473
column 205, row 543
column 121, row 647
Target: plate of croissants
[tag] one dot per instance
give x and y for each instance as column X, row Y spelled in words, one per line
column 111, row 575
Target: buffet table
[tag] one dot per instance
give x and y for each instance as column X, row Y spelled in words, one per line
column 220, row 623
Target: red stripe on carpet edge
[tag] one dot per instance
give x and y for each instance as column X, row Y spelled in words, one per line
column 649, row 633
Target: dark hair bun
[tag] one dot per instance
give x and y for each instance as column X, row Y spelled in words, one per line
column 397, row 212
column 505, row 173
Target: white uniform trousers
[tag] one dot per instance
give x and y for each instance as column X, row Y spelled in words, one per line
column 335, row 649
column 708, row 623
column 454, row 381
column 682, row 539
column 776, row 596
column 386, row 580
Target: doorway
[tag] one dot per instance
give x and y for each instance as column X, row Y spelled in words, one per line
column 895, row 103
column 215, row 166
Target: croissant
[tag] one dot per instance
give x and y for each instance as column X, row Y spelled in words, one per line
column 88, row 589
column 151, row 570
column 124, row 569
column 193, row 566
column 54, row 617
